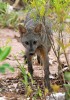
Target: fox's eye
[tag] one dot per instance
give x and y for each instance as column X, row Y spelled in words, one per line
column 34, row 42
column 26, row 42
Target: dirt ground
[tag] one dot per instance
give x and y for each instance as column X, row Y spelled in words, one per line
column 10, row 83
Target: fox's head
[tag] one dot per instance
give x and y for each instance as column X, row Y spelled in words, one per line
column 30, row 38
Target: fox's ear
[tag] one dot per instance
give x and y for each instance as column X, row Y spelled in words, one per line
column 22, row 29
column 38, row 28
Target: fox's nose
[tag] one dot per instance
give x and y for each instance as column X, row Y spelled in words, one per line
column 31, row 53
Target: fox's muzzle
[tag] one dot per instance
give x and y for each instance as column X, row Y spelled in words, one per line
column 31, row 53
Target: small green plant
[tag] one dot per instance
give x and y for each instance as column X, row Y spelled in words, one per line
column 39, row 92
column 4, row 52
column 67, row 86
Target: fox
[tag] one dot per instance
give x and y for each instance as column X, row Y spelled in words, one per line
column 34, row 37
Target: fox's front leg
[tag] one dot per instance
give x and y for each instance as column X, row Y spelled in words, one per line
column 45, row 59
column 29, row 62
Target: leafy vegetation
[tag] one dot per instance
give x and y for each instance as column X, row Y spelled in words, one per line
column 4, row 52
column 8, row 17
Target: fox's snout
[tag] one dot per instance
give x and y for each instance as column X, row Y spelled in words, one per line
column 31, row 52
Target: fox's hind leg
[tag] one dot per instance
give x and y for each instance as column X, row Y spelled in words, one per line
column 39, row 60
